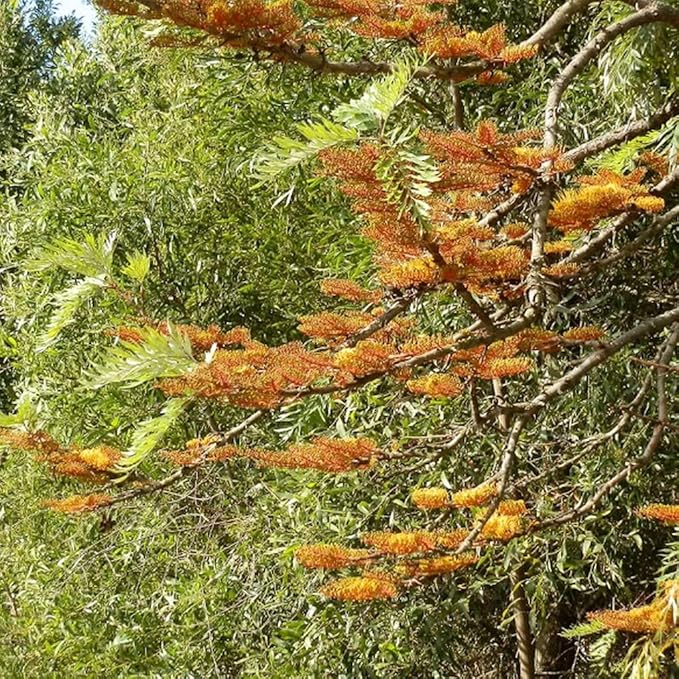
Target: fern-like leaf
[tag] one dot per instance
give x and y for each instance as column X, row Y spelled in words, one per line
column 583, row 629
column 287, row 153
column 407, row 178
column 150, row 432
column 156, row 355
column 67, row 304
column 372, row 109
column 91, row 256
column 137, row 267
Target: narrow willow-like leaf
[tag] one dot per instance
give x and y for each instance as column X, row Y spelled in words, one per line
column 67, row 304
column 156, row 355
column 150, row 432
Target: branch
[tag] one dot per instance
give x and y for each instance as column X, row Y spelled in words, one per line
column 154, row 486
column 643, row 460
column 591, row 50
column 624, row 133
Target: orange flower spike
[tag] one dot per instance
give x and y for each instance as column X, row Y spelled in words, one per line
column 36, row 441
column 350, row 290
column 451, row 539
column 512, row 508
column 504, row 367
column 441, row 565
column 558, row 247
column 586, row 333
column 322, row 454
column 436, row 386
column 100, row 457
column 368, row 356
column 475, row 497
column 333, row 326
column 562, row 270
column 666, row 513
column 360, row 589
column 330, row 556
column 430, row 498
column 79, row 503
column 642, row 620
column 515, row 230
column 502, row 527
column 401, row 543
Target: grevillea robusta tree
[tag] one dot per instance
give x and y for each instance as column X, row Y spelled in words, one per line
column 492, row 250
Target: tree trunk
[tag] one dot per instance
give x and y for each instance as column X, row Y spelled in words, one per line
column 521, row 611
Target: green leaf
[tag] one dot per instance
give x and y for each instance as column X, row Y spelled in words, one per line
column 150, row 432
column 286, row 153
column 156, row 355
column 376, row 104
column 91, row 256
column 67, row 304
column 138, row 266
column 406, row 178
column 583, row 629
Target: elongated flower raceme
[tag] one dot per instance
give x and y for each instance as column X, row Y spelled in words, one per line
column 512, row 508
column 330, row 556
column 361, row 588
column 323, row 454
column 436, row 386
column 665, row 513
column 660, row 615
column 438, row 565
column 502, row 527
column 431, row 498
column 348, row 289
column 32, row 441
column 401, row 543
column 475, row 497
column 79, row 503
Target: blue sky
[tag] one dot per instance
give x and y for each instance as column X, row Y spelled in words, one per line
column 81, row 8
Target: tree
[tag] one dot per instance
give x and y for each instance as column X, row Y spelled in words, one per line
column 501, row 292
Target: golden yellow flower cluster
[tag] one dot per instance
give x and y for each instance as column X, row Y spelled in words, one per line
column 79, row 503
column 330, row 556
column 441, row 565
column 665, row 513
column 474, row 497
column 367, row 587
column 431, row 498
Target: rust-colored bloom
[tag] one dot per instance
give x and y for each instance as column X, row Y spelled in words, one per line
column 79, row 503
column 475, row 497
column 451, row 539
column 323, row 454
column 330, row 556
column 361, row 588
column 512, row 508
column 665, row 513
column 643, row 619
column 502, row 527
column 431, row 498
column 401, row 543
column 438, row 565
column 436, row 386
column 586, row 333
column 348, row 289
column 100, row 457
